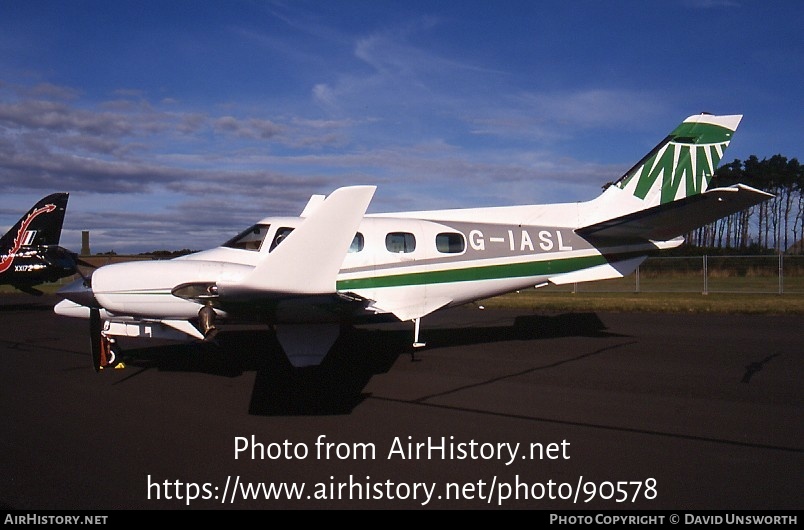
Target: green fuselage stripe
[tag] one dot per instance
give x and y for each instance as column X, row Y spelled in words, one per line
column 469, row 274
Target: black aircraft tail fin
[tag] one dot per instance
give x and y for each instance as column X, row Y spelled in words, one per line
column 41, row 226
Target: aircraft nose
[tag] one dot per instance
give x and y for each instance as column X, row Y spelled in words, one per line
column 79, row 292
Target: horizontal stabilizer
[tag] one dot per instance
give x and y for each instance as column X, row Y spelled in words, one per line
column 677, row 218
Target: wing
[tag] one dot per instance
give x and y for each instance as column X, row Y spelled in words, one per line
column 309, row 259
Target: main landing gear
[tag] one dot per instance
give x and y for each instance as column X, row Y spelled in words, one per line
column 109, row 351
column 104, row 348
column 416, row 344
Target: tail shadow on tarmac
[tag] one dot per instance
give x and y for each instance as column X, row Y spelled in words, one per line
column 336, row 385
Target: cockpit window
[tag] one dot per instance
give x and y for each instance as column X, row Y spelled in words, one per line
column 281, row 233
column 357, row 243
column 249, row 239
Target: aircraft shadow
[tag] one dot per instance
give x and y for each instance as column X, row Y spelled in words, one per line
column 336, row 386
column 527, row 327
column 25, row 306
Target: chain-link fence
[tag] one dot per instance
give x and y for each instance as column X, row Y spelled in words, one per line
column 709, row 274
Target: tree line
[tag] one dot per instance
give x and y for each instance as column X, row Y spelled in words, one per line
column 774, row 225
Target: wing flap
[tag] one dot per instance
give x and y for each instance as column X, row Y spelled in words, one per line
column 410, row 309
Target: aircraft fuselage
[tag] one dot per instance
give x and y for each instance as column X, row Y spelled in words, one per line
column 392, row 260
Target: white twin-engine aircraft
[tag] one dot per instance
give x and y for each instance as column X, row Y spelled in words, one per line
column 335, row 265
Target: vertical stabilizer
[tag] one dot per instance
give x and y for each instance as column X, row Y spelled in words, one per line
column 665, row 195
column 680, row 166
column 684, row 163
column 41, row 226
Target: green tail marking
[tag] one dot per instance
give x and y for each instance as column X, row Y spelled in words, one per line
column 690, row 154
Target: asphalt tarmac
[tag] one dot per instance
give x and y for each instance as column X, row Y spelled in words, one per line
column 501, row 410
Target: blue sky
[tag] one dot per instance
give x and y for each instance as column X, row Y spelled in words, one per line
column 176, row 124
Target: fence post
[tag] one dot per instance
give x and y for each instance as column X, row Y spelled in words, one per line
column 637, row 279
column 705, row 276
column 781, row 273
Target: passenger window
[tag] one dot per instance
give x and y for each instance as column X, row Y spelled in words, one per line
column 357, row 243
column 281, row 234
column 397, row 242
column 249, row 239
column 450, row 243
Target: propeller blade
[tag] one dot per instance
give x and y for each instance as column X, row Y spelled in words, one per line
column 78, row 262
column 83, row 263
column 95, row 337
column 80, row 292
column 87, row 278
